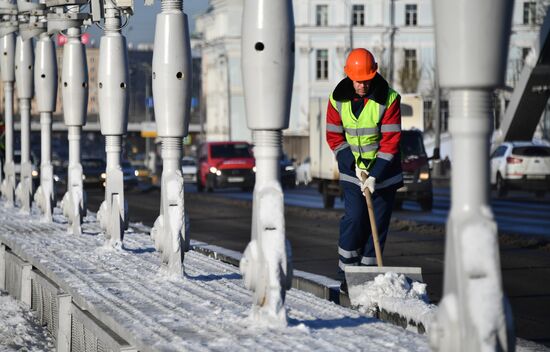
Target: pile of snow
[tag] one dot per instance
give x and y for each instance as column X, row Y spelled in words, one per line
column 19, row 328
column 392, row 292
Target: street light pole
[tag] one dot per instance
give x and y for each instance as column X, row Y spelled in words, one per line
column 437, row 171
column 24, row 68
column 8, row 11
column 473, row 314
column 74, row 78
column 45, row 80
column 113, row 115
column 172, row 94
column 268, row 53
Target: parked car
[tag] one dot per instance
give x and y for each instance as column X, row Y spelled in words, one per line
column 225, row 164
column 521, row 166
column 189, row 169
column 288, row 172
column 303, row 172
column 416, row 171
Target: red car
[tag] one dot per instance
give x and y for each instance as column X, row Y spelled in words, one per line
column 225, row 164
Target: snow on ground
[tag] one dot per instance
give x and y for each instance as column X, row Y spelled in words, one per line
column 208, row 309
column 19, row 328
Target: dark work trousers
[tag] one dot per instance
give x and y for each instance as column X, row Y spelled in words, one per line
column 356, row 246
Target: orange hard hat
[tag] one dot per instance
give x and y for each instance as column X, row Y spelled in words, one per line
column 360, row 65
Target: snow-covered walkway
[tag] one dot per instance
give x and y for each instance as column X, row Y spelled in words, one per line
column 207, row 310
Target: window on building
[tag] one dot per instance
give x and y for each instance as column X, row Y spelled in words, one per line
column 411, row 15
column 529, row 12
column 322, row 64
column 358, row 15
column 321, row 15
column 444, row 111
column 428, row 115
column 411, row 64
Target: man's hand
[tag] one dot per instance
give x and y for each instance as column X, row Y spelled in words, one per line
column 362, row 175
column 368, row 183
column 366, row 180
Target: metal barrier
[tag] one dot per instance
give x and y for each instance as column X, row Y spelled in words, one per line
column 45, row 301
column 73, row 329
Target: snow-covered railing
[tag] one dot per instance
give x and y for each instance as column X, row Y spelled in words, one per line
column 72, row 328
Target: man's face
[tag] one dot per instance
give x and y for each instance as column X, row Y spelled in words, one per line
column 361, row 87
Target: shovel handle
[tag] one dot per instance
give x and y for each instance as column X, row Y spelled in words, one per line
column 373, row 227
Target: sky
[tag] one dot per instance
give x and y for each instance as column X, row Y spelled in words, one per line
column 141, row 28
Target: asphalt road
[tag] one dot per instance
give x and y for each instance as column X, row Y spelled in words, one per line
column 221, row 220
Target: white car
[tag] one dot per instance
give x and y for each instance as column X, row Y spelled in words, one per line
column 189, row 169
column 522, row 166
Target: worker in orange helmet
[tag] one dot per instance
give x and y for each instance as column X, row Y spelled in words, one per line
column 364, row 130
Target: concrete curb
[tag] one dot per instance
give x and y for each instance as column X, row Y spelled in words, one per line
column 319, row 286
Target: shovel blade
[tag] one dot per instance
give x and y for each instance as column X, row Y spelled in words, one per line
column 360, row 275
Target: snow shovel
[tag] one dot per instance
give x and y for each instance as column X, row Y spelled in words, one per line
column 360, row 275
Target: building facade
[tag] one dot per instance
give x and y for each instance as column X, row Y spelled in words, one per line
column 400, row 33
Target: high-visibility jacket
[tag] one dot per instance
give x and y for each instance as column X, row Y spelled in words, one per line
column 369, row 139
column 363, row 133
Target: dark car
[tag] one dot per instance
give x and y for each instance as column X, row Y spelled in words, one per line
column 288, row 172
column 416, row 171
column 129, row 174
column 93, row 172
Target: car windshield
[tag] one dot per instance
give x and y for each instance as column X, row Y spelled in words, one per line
column 188, row 162
column 412, row 145
column 531, row 151
column 241, row 150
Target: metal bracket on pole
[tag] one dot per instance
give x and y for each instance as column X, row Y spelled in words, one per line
column 172, row 94
column 8, row 27
column 268, row 50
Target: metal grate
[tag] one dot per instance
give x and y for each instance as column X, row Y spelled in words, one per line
column 14, row 267
column 35, row 299
column 44, row 301
column 77, row 336
column 90, row 335
column 55, row 314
